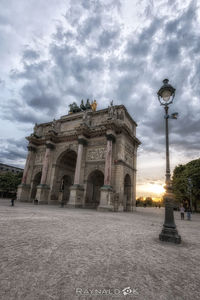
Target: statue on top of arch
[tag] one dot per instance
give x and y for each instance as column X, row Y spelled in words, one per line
column 73, row 108
column 112, row 113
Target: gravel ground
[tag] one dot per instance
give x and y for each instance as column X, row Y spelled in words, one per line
column 47, row 252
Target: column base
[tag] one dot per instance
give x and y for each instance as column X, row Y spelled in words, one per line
column 76, row 197
column 42, row 193
column 53, row 202
column 170, row 235
column 23, row 192
column 106, row 199
column 120, row 208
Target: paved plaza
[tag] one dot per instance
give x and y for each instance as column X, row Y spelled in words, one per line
column 47, row 252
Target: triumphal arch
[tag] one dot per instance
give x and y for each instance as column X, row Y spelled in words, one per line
column 86, row 159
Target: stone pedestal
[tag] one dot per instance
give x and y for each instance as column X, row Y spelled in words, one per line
column 23, row 192
column 120, row 208
column 60, row 197
column 42, row 193
column 76, row 196
column 106, row 199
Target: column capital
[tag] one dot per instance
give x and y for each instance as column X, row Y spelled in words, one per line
column 110, row 137
column 31, row 148
column 50, row 145
column 82, row 140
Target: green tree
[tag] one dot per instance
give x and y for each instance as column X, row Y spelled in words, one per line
column 149, row 201
column 140, row 201
column 186, row 182
column 9, row 182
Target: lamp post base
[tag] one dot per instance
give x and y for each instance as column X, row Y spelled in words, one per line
column 170, row 235
column 169, row 232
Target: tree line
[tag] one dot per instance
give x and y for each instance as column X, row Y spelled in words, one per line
column 9, row 183
column 148, row 201
column 186, row 184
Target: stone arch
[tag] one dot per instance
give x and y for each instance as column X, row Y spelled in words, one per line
column 35, row 183
column 62, row 151
column 64, row 173
column 95, row 181
column 127, row 193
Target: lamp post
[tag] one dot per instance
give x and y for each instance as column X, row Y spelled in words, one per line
column 169, row 232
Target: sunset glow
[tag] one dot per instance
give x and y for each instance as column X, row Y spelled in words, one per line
column 151, row 189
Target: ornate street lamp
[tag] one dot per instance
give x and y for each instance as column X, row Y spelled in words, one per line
column 169, row 232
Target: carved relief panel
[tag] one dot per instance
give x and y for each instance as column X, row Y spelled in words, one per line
column 96, row 154
column 129, row 154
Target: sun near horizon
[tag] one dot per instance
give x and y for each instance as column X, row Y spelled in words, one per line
column 151, row 189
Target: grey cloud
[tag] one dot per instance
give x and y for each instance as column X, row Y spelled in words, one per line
column 30, row 71
column 173, row 50
column 2, row 82
column 72, row 64
column 86, row 4
column 3, row 20
column 58, row 35
column 30, row 54
column 107, row 38
column 36, row 95
column 91, row 24
column 125, row 87
column 19, row 143
column 172, row 26
column 141, row 45
column 20, row 112
column 13, row 151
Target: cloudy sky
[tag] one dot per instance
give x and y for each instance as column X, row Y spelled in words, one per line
column 55, row 52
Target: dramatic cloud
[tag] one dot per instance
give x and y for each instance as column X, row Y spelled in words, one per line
column 105, row 50
column 13, row 150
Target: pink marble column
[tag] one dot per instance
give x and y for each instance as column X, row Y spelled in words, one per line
column 28, row 159
column 78, row 161
column 45, row 167
column 108, row 161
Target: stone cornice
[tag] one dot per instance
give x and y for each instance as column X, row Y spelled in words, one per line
column 116, row 126
column 31, row 148
column 122, row 162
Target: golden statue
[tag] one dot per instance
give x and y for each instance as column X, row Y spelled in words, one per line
column 94, row 105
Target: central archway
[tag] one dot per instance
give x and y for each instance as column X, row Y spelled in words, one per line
column 94, row 183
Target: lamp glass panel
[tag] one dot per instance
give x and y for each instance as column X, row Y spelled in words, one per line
column 166, row 95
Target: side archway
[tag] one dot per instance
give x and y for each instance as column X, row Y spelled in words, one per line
column 94, row 183
column 35, row 183
column 127, row 193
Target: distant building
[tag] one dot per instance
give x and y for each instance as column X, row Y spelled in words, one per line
column 7, row 168
column 84, row 159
